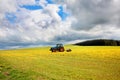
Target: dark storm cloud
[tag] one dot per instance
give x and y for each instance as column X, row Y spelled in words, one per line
column 90, row 13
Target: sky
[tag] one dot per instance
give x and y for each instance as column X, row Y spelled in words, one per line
column 28, row 23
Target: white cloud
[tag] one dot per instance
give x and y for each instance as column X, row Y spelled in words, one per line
column 32, row 26
column 8, row 6
column 93, row 12
column 88, row 19
column 53, row 10
column 24, row 2
column 43, row 3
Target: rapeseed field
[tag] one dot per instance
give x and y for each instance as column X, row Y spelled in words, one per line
column 83, row 63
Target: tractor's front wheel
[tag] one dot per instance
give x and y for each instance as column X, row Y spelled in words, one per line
column 53, row 50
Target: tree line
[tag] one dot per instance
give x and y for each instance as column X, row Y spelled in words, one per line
column 100, row 42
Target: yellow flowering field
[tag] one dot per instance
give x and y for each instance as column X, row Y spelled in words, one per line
column 83, row 63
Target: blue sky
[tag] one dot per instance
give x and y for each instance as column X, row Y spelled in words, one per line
column 32, row 7
column 12, row 17
column 62, row 14
column 26, row 23
column 50, row 1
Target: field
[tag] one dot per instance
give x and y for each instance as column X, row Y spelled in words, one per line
column 83, row 63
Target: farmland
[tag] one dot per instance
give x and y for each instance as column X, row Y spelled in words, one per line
column 83, row 63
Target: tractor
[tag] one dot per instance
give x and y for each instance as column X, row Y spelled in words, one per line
column 57, row 48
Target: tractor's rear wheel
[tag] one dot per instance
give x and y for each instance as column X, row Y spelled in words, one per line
column 61, row 50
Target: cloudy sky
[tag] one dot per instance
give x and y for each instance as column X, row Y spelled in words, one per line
column 26, row 23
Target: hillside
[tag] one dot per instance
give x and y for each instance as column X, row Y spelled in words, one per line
column 100, row 42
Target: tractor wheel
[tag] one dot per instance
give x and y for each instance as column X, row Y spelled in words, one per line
column 53, row 50
column 61, row 50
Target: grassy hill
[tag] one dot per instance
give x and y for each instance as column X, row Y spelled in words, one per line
column 99, row 42
column 83, row 63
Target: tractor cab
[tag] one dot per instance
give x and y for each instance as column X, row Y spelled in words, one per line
column 59, row 45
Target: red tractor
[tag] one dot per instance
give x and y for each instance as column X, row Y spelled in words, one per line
column 59, row 48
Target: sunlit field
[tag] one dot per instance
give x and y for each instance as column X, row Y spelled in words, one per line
column 83, row 63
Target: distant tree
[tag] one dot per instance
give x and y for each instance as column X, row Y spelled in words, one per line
column 100, row 42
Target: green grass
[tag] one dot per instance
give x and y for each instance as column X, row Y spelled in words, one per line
column 83, row 63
